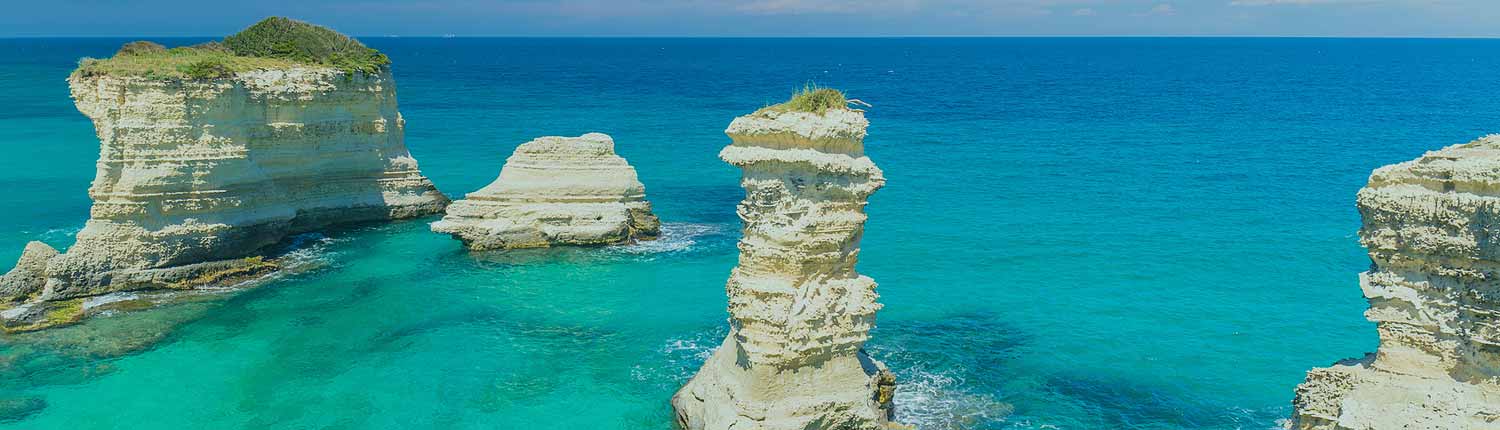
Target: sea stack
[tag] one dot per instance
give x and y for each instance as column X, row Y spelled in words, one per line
column 1430, row 226
column 799, row 313
column 555, row 191
column 211, row 153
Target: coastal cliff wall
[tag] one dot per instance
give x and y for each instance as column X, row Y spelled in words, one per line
column 194, row 172
column 1431, row 227
column 799, row 312
column 555, row 191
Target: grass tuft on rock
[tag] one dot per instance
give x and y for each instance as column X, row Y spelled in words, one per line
column 272, row 43
column 813, row 99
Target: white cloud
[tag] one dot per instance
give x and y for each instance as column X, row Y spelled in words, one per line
column 1161, row 9
column 1293, row 2
column 796, row 7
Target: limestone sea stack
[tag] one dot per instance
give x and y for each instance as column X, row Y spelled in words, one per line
column 209, row 154
column 799, row 312
column 555, row 191
column 1430, row 226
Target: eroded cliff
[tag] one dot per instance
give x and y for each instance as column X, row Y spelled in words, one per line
column 196, row 177
column 555, row 191
column 1430, row 226
column 198, row 171
column 799, row 312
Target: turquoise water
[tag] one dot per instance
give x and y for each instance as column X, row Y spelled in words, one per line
column 1076, row 234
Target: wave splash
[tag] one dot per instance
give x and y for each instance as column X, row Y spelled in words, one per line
column 939, row 400
column 675, row 237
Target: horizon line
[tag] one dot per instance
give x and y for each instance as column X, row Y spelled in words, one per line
column 918, row 36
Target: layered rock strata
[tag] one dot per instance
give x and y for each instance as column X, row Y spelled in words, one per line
column 1431, row 226
column 196, row 177
column 799, row 312
column 555, row 191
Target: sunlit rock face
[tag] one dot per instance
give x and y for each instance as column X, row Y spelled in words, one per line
column 29, row 275
column 194, row 176
column 555, row 191
column 799, row 312
column 1431, row 226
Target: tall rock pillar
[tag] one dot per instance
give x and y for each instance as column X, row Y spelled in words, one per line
column 799, row 313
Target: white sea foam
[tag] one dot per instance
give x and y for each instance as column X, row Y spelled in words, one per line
column 940, row 400
column 61, row 233
column 678, row 359
column 674, row 237
column 96, row 301
column 309, row 251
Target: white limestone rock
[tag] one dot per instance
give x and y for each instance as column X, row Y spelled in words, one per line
column 29, row 275
column 799, row 312
column 555, row 191
column 1431, row 226
column 194, row 176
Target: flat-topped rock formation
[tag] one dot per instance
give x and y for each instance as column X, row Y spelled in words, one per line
column 1430, row 225
column 799, row 312
column 555, row 191
column 199, row 173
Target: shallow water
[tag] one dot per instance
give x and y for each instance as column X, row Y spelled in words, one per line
column 1076, row 234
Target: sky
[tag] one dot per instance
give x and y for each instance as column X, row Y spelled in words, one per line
column 1362, row 18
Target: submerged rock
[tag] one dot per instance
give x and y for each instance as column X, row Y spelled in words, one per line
column 14, row 409
column 555, row 191
column 30, row 274
column 799, row 313
column 1434, row 293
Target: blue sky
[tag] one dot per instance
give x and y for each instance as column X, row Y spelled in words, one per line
column 1438, row 18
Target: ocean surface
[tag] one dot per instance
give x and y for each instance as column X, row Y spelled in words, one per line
column 1089, row 233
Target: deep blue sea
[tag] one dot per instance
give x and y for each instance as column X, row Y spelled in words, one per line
column 1077, row 233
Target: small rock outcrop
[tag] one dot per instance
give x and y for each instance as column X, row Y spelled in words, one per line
column 799, row 312
column 208, row 156
column 1431, row 227
column 29, row 275
column 555, row 191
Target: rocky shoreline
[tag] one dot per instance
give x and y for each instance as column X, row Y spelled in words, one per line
column 1429, row 225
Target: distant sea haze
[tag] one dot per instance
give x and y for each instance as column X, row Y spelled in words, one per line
column 1080, row 233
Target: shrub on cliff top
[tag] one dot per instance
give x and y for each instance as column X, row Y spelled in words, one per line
column 812, row 98
column 298, row 41
column 273, row 43
column 141, row 47
column 208, row 67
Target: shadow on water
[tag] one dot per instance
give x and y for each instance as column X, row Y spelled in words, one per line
column 967, row 371
column 1117, row 403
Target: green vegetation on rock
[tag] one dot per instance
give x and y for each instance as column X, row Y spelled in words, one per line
column 811, row 98
column 298, row 41
column 272, row 43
